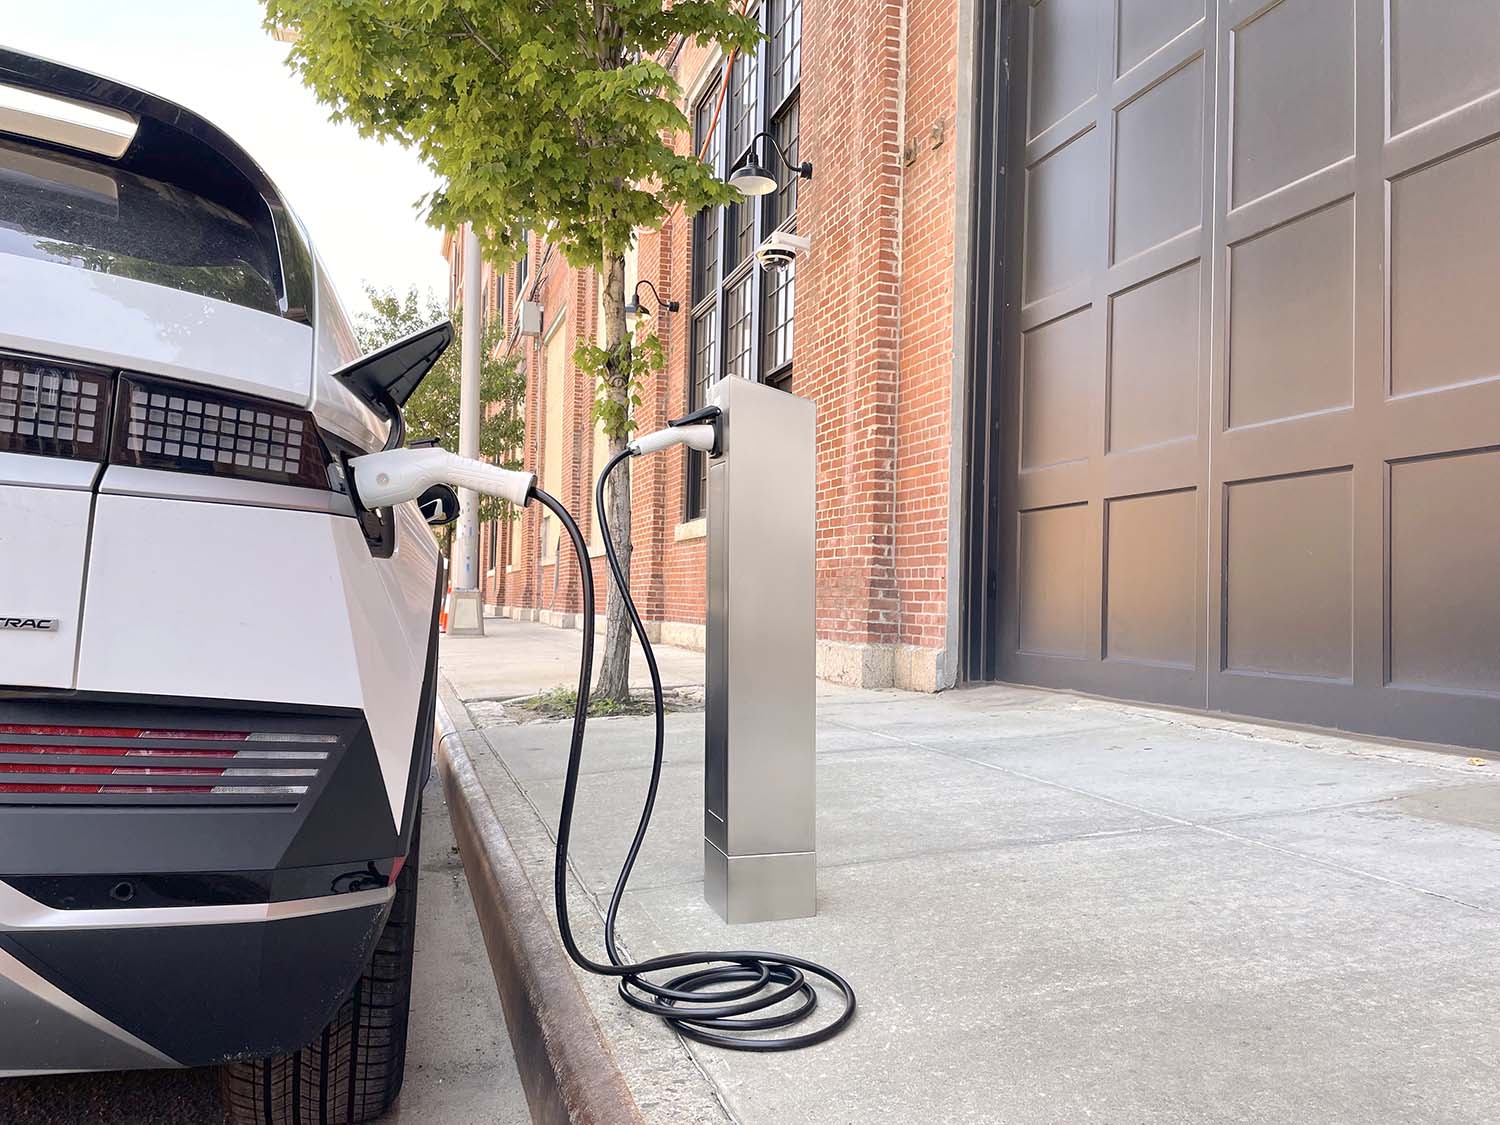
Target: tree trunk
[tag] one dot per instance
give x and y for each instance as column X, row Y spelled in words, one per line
column 614, row 678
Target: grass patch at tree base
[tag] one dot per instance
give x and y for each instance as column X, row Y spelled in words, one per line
column 559, row 703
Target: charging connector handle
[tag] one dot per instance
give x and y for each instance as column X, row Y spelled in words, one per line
column 394, row 476
column 703, row 437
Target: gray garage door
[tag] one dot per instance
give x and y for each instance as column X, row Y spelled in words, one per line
column 1253, row 359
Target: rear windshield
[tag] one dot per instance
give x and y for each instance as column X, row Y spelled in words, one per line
column 94, row 217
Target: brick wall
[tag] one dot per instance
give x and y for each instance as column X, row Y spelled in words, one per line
column 875, row 351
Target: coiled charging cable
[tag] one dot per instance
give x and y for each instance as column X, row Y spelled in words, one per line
column 727, row 995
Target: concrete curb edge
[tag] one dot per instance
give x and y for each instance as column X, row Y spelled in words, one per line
column 565, row 1065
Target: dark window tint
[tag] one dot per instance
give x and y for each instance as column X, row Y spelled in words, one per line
column 785, row 18
column 94, row 217
column 737, row 310
column 704, row 371
column 781, row 204
column 706, row 222
column 743, row 101
column 777, row 317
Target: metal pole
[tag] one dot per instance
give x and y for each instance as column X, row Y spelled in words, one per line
column 759, row 841
column 466, row 616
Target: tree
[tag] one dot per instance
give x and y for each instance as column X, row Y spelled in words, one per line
column 432, row 410
column 548, row 115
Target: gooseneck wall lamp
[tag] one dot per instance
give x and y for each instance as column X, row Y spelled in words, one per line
column 754, row 177
column 635, row 307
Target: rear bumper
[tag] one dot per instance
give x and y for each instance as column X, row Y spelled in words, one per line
column 119, row 994
column 185, row 919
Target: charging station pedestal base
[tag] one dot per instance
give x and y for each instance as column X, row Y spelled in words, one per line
column 759, row 846
column 466, row 614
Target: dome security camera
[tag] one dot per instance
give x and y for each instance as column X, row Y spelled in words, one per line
column 780, row 249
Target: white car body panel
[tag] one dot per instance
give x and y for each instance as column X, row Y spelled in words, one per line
column 44, row 538
column 223, row 601
column 55, row 310
column 128, row 480
column 335, row 346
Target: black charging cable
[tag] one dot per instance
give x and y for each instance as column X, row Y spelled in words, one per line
column 697, row 1004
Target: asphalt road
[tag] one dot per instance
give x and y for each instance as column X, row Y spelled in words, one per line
column 459, row 1067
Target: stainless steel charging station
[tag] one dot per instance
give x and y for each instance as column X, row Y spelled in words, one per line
column 759, row 847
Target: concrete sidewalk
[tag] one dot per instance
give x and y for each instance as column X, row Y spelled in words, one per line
column 1058, row 909
column 516, row 658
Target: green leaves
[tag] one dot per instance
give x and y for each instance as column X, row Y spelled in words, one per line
column 542, row 114
column 619, row 375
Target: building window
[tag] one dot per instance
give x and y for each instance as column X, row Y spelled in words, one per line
column 729, row 291
column 554, row 374
column 738, row 345
column 523, row 265
column 744, row 100
column 776, row 320
column 703, row 352
column 784, row 47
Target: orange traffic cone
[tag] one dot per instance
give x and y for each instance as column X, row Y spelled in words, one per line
column 443, row 613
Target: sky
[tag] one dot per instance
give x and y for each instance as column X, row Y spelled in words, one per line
column 355, row 196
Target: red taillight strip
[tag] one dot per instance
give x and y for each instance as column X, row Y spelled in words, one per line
column 113, row 742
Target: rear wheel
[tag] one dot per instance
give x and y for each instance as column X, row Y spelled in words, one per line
column 353, row 1071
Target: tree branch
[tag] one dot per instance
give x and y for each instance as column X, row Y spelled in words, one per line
column 480, row 39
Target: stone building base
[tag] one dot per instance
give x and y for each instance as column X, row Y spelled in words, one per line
column 907, row 667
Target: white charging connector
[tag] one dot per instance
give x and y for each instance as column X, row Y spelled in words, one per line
column 394, row 476
column 702, row 437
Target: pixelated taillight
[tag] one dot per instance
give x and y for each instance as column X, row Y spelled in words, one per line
column 161, row 424
column 54, row 410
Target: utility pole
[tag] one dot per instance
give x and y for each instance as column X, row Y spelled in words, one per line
column 466, row 615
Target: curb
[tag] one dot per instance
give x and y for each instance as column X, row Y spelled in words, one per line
column 568, row 1072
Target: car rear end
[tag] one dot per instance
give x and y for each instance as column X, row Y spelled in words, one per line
column 216, row 680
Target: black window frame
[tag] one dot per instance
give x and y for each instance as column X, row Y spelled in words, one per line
column 739, row 321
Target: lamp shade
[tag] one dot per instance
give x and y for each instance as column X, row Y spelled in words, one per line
column 751, row 178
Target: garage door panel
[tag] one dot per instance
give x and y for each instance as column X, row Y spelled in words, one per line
column 1158, row 163
column 1443, row 56
column 1058, row 373
column 1291, row 318
column 1064, row 215
column 1146, row 26
column 1445, row 264
column 1065, row 40
column 1155, row 350
column 1444, row 560
column 1288, row 576
column 1152, row 554
column 1054, row 581
column 1293, row 94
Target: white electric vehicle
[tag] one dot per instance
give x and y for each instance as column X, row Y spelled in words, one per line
column 217, row 669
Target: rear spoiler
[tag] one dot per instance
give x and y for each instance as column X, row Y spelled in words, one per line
column 387, row 378
column 175, row 145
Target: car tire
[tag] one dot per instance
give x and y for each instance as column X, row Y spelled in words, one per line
column 353, row 1071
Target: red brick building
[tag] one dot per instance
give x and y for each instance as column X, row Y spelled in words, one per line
column 1152, row 344
column 863, row 325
